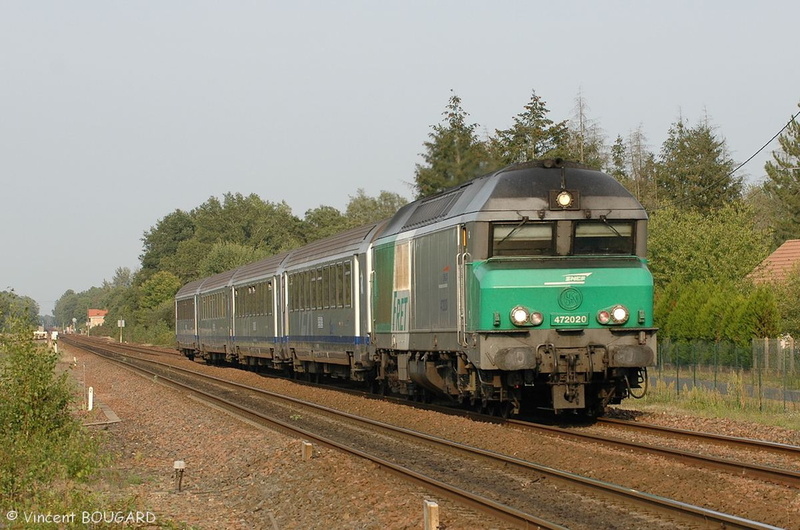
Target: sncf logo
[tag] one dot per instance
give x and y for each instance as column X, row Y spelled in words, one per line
column 577, row 278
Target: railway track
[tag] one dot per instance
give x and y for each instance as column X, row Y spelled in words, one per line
column 431, row 460
column 780, row 449
column 775, row 475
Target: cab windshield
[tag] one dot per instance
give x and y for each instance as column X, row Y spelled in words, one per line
column 523, row 239
column 603, row 238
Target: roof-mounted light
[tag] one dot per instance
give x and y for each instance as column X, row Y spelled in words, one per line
column 564, row 199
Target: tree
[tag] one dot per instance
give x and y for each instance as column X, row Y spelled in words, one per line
column 18, row 308
column 533, row 136
column 618, row 167
column 757, row 317
column 717, row 311
column 45, row 449
column 584, row 140
column 453, row 155
column 322, row 222
column 634, row 165
column 783, row 184
column 685, row 245
column 757, row 198
column 123, row 278
column 695, row 170
column 161, row 287
column 362, row 210
column 162, row 240
column 248, row 221
column 228, row 256
column 185, row 263
column 66, row 308
column 122, row 302
column 182, row 241
column 682, row 322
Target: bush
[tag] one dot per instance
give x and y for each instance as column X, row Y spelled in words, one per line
column 45, row 452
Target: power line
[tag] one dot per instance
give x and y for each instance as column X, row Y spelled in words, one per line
column 764, row 146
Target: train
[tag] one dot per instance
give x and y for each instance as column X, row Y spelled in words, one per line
column 523, row 290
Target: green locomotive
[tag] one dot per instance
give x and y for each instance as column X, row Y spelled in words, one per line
column 527, row 288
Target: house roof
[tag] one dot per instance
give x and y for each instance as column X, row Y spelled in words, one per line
column 97, row 312
column 778, row 265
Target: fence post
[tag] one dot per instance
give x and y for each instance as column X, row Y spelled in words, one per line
column 785, row 379
column 760, row 371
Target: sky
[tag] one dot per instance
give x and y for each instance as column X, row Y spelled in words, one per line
column 113, row 114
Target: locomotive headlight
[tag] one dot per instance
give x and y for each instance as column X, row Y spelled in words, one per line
column 536, row 318
column 520, row 316
column 564, row 199
column 618, row 314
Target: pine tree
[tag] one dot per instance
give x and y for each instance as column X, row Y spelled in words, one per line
column 619, row 157
column 643, row 169
column 632, row 163
column 533, row 136
column 695, row 170
column 585, row 140
column 783, row 185
column 453, row 155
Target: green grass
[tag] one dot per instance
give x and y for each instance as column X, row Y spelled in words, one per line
column 736, row 404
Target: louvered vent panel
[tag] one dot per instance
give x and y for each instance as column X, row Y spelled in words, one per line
column 432, row 210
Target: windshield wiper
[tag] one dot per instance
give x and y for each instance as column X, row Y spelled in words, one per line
column 524, row 220
column 603, row 218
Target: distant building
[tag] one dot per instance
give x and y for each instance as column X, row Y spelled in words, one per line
column 96, row 317
column 778, row 266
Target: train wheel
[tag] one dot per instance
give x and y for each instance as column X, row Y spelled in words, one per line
column 475, row 404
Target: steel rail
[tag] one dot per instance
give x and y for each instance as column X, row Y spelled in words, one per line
column 749, row 443
column 785, row 477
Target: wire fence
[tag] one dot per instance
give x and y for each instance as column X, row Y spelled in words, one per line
column 765, row 375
